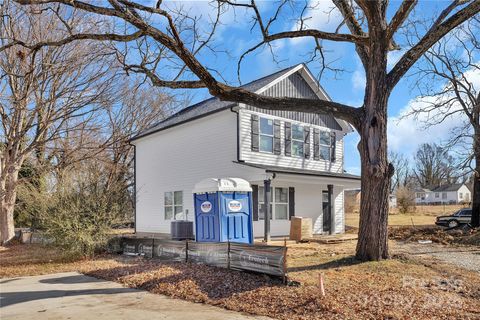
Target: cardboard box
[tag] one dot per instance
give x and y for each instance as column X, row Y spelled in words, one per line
column 300, row 228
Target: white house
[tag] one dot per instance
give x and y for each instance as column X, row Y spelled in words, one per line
column 300, row 154
column 451, row 194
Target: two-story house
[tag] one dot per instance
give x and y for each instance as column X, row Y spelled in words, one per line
column 299, row 154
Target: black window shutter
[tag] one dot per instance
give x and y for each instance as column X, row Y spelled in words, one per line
column 288, row 139
column 306, row 146
column 333, row 142
column 254, row 132
column 276, row 137
column 255, row 202
column 291, row 202
column 316, row 144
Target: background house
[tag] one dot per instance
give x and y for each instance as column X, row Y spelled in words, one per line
column 451, row 194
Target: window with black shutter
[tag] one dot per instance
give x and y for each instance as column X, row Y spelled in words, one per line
column 306, row 146
column 288, row 139
column 254, row 132
column 333, row 144
column 255, row 202
column 276, row 137
column 316, row 144
column 291, row 202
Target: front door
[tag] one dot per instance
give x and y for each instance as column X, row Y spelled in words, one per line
column 327, row 219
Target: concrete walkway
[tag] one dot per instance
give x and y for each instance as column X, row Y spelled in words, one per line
column 75, row 296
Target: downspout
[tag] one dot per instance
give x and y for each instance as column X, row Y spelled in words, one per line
column 235, row 109
column 134, row 186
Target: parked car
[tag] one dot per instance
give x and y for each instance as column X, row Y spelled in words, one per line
column 462, row 216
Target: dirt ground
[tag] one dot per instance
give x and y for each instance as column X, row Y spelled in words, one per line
column 408, row 286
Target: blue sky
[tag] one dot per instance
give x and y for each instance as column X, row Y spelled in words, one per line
column 236, row 36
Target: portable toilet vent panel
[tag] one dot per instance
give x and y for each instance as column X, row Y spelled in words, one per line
column 223, row 210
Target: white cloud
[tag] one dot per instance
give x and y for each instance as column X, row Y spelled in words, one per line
column 358, row 79
column 393, row 57
column 405, row 134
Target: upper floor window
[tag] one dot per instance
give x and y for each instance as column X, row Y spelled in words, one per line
column 298, row 140
column 173, row 204
column 266, row 135
column 325, row 145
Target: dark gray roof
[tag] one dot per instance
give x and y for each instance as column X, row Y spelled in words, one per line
column 209, row 106
column 446, row 188
column 300, row 171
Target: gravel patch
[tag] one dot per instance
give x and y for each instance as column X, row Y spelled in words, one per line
column 464, row 257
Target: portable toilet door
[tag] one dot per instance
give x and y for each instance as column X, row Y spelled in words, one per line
column 207, row 224
column 236, row 217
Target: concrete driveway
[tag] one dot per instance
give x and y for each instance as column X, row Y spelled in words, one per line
column 75, row 296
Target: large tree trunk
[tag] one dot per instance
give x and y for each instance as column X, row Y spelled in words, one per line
column 476, row 181
column 376, row 171
column 8, row 187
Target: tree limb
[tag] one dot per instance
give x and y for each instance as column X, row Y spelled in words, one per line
column 400, row 16
column 436, row 32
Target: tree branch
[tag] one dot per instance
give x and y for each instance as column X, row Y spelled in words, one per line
column 436, row 32
column 400, row 16
column 80, row 36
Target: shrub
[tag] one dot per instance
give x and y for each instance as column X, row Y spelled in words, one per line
column 81, row 213
column 405, row 200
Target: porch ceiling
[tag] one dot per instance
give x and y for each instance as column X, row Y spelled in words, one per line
column 308, row 176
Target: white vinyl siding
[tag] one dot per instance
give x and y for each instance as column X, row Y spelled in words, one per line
column 247, row 155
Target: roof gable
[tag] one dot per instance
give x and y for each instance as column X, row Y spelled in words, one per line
column 295, row 81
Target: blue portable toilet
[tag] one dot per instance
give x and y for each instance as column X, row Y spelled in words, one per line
column 223, row 210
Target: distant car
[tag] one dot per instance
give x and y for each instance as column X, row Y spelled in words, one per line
column 462, row 216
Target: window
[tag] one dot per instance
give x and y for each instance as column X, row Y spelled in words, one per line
column 298, row 140
column 437, row 195
column 460, row 195
column 266, row 135
column 421, row 195
column 465, row 212
column 278, row 203
column 325, row 145
column 281, row 204
column 444, row 195
column 173, row 204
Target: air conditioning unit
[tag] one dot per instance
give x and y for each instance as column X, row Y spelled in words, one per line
column 181, row 230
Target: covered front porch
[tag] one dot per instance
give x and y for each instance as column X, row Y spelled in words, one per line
column 300, row 193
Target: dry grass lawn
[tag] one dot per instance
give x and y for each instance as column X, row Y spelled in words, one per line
column 352, row 219
column 423, row 215
column 400, row 288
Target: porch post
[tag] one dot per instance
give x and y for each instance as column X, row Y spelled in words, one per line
column 331, row 208
column 266, row 211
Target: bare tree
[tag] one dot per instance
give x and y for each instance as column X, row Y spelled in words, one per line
column 434, row 166
column 46, row 93
column 365, row 25
column 402, row 170
column 450, row 86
